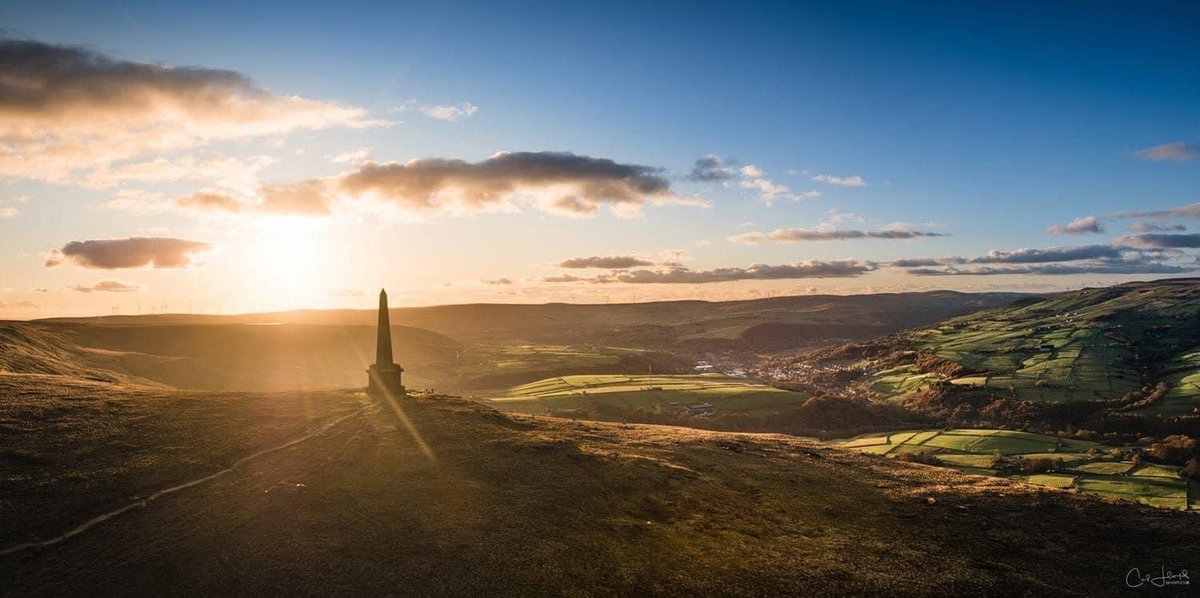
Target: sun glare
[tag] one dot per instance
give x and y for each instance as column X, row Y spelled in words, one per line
column 290, row 263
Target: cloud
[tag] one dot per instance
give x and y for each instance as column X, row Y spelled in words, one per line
column 565, row 278
column 753, row 177
column 1052, row 254
column 107, row 286
column 1100, row 267
column 559, row 182
column 444, row 113
column 917, row 262
column 233, row 173
column 66, row 108
column 351, row 157
column 1092, row 224
column 210, row 201
column 497, row 281
column 796, row 235
column 711, row 168
column 8, row 211
column 134, row 252
column 18, row 304
column 313, row 197
column 1078, row 226
column 1187, row 211
column 1160, row 241
column 1176, row 152
column 849, row 181
column 679, row 275
column 615, row 262
column 1150, row 227
column 556, row 182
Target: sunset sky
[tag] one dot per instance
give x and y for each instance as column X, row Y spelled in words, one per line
column 227, row 158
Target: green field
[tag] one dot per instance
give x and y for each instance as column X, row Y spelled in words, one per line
column 1093, row 344
column 1087, row 467
column 584, row 392
column 501, row 366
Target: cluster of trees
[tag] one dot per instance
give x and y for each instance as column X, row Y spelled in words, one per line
column 1144, row 397
column 1027, row 464
column 919, row 457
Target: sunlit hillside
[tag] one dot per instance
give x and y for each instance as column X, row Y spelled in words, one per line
column 109, row 488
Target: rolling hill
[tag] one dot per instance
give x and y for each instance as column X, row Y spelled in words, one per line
column 459, row 347
column 217, row 355
column 1130, row 349
column 756, row 325
column 116, row 488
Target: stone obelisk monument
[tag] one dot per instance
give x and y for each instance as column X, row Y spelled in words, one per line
column 383, row 377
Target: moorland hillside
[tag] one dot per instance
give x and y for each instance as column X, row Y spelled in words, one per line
column 118, row 489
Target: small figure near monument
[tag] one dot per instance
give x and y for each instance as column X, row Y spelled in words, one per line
column 383, row 377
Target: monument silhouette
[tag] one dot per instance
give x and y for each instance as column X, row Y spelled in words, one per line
column 383, row 377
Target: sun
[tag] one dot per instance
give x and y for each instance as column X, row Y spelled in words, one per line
column 290, row 265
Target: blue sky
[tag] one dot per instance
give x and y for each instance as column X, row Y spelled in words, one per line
column 983, row 122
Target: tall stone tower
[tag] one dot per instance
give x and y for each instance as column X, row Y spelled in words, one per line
column 383, row 377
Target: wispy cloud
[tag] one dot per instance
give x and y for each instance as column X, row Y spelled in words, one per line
column 107, row 286
column 1078, row 226
column 1179, row 151
column 1051, row 254
column 1185, row 211
column 1151, row 227
column 1100, row 267
column 846, row 181
column 797, row 235
column 210, row 201
column 847, row 268
column 1160, row 241
column 442, row 112
column 769, row 191
column 351, row 157
column 612, row 262
column 227, row 172
column 1126, row 256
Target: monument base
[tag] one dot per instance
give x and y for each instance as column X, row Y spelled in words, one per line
column 384, row 381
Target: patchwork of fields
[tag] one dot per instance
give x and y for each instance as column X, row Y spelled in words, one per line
column 584, row 392
column 1087, row 467
column 1094, row 344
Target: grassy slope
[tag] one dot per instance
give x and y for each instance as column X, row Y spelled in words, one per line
column 971, row 450
column 219, row 356
column 733, row 395
column 518, row 504
column 1105, row 343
